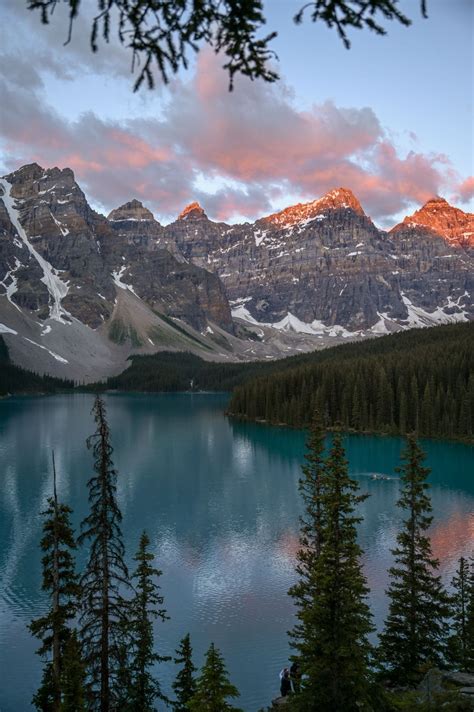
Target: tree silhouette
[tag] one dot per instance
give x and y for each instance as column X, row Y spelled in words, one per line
column 311, row 487
column 213, row 688
column 161, row 33
column 60, row 581
column 461, row 642
column 73, row 677
column 145, row 606
column 334, row 621
column 184, row 685
column 416, row 627
column 103, row 610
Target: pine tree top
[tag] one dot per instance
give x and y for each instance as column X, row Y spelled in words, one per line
column 213, row 686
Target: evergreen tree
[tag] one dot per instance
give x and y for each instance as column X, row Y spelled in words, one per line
column 60, row 581
column 103, row 608
column 145, row 606
column 461, row 642
column 73, row 677
column 311, row 525
column 45, row 696
column 213, row 688
column 184, row 685
column 416, row 628
column 331, row 639
column 124, row 682
column 470, row 621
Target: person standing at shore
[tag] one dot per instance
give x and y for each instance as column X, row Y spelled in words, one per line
column 285, row 682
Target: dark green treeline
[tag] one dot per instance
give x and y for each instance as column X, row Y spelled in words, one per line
column 14, row 379
column 419, row 381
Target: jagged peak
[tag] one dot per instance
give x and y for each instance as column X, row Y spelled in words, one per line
column 192, row 211
column 441, row 218
column 32, row 179
column 342, row 198
column 133, row 210
column 336, row 199
column 434, row 201
column 29, row 170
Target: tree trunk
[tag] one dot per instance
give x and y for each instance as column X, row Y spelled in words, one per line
column 56, row 642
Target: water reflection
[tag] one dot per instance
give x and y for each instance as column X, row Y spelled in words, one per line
column 219, row 500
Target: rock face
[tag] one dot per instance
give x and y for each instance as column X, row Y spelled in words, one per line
column 436, row 682
column 138, row 250
column 324, row 268
column 58, row 267
column 304, row 277
column 440, row 218
column 59, row 259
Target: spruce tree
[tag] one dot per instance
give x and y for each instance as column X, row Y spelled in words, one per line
column 123, row 680
column 184, row 685
column 416, row 627
column 461, row 642
column 213, row 688
column 60, row 581
column 103, row 610
column 73, row 677
column 311, row 524
column 470, row 621
column 145, row 606
column 331, row 639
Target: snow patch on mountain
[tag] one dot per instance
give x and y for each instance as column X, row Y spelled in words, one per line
column 64, row 230
column 11, row 288
column 51, row 353
column 117, row 277
column 131, row 220
column 259, row 236
column 290, row 322
column 419, row 317
column 6, row 330
column 56, row 287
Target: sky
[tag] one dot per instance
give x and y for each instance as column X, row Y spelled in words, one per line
column 391, row 119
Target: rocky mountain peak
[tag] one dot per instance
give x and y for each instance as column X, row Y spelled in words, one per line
column 33, row 182
column 26, row 172
column 337, row 199
column 438, row 216
column 341, row 199
column 193, row 211
column 30, row 173
column 134, row 210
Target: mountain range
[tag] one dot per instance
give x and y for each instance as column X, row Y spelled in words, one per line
column 80, row 292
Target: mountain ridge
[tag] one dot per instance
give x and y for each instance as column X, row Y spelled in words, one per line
column 309, row 275
column 441, row 218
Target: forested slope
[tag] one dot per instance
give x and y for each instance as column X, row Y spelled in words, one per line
column 167, row 371
column 421, row 380
column 17, row 380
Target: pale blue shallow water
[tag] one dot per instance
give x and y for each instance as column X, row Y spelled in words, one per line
column 219, row 500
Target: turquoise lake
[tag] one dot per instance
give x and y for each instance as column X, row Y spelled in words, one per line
column 220, row 502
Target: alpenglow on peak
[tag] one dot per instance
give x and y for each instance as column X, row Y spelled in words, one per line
column 192, row 211
column 441, row 218
column 337, row 199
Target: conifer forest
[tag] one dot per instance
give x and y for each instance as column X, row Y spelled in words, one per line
column 419, row 381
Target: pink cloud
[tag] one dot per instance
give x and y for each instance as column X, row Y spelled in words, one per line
column 256, row 133
column 257, row 137
column 465, row 190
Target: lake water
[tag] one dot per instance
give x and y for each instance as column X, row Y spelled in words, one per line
column 219, row 500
